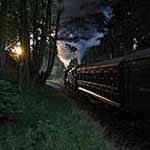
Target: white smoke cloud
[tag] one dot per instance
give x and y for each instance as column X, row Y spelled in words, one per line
column 63, row 53
column 66, row 55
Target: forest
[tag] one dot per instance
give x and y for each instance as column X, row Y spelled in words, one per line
column 126, row 29
column 41, row 38
column 33, row 28
column 26, row 30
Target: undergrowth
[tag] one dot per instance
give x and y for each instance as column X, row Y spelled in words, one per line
column 9, row 100
column 45, row 120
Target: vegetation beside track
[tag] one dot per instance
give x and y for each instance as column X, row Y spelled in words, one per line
column 43, row 119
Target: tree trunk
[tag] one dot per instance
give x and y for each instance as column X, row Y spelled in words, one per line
column 25, row 41
column 44, row 31
column 53, row 52
column 40, row 76
column 35, row 39
column 50, row 43
column 53, row 55
column 3, row 11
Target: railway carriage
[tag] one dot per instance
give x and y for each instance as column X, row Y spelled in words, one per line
column 123, row 82
column 136, row 82
column 101, row 80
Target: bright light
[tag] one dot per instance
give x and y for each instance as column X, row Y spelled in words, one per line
column 18, row 50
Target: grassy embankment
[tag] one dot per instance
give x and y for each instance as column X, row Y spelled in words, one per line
column 43, row 119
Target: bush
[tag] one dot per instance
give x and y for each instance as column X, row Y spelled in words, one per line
column 9, row 100
column 49, row 122
column 9, row 75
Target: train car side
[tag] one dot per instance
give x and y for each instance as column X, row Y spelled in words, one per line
column 136, row 77
column 122, row 82
column 101, row 80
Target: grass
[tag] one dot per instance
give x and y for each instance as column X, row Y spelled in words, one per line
column 47, row 121
column 59, row 81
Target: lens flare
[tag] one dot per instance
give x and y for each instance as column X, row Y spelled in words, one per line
column 18, row 50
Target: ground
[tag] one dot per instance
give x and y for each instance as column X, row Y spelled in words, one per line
column 42, row 118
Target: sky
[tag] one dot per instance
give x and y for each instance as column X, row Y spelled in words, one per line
column 74, row 8
column 79, row 8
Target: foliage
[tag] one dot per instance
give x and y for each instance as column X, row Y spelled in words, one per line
column 94, row 53
column 129, row 26
column 49, row 121
column 73, row 63
column 57, row 72
column 31, row 23
column 9, row 101
column 126, row 29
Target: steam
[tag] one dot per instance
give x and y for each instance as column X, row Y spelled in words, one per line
column 65, row 54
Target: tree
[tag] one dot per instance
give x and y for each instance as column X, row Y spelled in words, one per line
column 129, row 26
column 53, row 53
column 127, row 29
column 24, row 36
column 31, row 23
column 3, row 13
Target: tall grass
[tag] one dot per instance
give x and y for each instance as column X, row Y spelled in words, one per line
column 49, row 122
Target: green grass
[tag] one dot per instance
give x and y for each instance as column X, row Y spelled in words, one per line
column 47, row 121
column 59, row 81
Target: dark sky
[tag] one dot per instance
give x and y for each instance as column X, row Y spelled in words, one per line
column 76, row 8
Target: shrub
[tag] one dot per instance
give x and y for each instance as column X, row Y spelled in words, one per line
column 9, row 100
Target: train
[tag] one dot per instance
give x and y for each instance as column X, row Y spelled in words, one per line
column 122, row 82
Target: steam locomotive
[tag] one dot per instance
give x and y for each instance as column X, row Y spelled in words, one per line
column 122, row 82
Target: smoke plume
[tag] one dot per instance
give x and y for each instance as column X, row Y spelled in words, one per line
column 85, row 40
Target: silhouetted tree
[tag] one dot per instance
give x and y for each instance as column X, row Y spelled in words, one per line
column 31, row 23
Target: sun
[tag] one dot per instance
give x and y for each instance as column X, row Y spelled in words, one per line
column 18, row 50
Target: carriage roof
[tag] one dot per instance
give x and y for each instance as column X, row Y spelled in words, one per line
column 106, row 63
column 137, row 55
